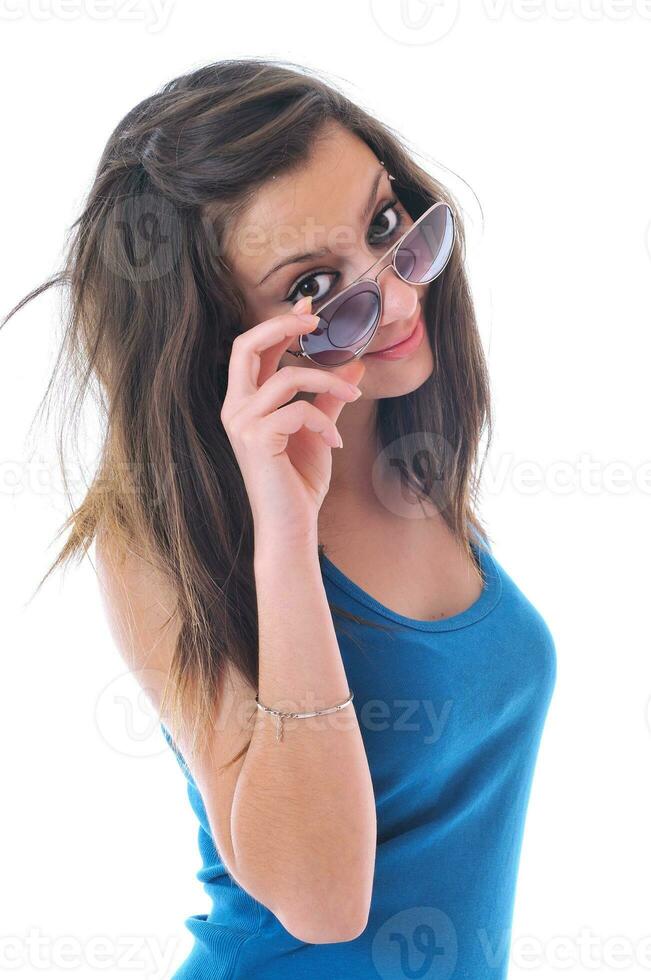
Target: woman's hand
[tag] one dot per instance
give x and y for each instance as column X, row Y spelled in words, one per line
column 284, row 447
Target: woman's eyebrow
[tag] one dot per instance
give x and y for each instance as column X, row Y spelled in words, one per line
column 303, row 256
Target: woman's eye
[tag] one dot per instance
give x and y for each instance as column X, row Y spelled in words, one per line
column 386, row 223
column 305, row 287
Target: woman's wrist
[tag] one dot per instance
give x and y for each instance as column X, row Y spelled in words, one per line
column 274, row 545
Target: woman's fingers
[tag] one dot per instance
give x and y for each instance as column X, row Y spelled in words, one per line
column 329, row 404
column 288, row 381
column 270, row 359
column 248, row 348
column 274, row 430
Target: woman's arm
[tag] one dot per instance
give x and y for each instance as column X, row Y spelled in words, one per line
column 304, row 821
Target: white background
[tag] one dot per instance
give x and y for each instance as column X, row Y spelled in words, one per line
column 537, row 116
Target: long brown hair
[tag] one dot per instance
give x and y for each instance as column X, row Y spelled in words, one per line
column 151, row 334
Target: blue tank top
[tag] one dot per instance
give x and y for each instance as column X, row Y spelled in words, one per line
column 451, row 713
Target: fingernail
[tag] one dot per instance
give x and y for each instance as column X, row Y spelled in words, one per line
column 304, row 303
column 308, row 317
column 355, row 390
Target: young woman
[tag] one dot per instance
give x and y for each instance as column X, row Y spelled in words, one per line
column 352, row 685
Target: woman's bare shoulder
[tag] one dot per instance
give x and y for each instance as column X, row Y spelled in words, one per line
column 139, row 601
column 140, row 606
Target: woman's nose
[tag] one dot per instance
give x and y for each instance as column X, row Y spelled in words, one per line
column 399, row 298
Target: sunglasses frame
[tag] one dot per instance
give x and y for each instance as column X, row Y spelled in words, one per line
column 372, row 281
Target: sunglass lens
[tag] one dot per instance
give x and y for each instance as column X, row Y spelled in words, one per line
column 426, row 249
column 343, row 326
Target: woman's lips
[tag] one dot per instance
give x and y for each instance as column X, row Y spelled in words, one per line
column 406, row 346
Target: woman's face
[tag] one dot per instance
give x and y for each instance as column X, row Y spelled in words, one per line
column 339, row 206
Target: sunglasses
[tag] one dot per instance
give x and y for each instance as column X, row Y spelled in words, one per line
column 349, row 321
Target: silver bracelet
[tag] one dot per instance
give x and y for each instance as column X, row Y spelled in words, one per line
column 300, row 714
